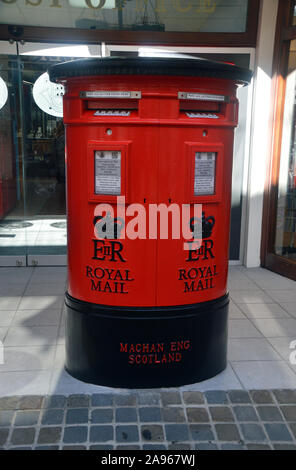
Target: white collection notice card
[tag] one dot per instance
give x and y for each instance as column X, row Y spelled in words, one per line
column 204, row 173
column 107, row 172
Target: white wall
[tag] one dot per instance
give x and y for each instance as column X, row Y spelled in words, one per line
column 261, row 129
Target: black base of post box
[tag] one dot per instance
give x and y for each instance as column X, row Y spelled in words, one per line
column 133, row 347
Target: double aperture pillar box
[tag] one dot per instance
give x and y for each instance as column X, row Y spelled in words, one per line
column 151, row 139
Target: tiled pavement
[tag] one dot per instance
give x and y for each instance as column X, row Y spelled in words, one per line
column 262, row 327
column 147, row 420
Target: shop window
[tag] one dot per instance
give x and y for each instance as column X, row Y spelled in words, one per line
column 149, row 18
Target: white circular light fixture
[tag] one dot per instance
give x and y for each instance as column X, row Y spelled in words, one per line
column 3, row 93
column 48, row 96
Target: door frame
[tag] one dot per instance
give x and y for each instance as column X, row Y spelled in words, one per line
column 285, row 33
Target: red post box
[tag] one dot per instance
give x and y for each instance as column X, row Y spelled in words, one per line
column 148, row 142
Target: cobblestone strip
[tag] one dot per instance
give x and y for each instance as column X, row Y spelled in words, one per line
column 151, row 420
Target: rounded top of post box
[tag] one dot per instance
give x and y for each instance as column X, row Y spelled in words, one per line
column 175, row 64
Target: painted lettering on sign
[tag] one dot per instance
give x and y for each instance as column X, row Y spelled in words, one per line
column 204, row 252
column 155, row 353
column 110, row 281
column 199, row 278
column 200, row 6
column 107, row 250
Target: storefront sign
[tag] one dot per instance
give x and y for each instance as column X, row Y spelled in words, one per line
column 159, row 15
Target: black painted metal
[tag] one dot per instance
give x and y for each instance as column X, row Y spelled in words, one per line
column 176, row 64
column 96, row 334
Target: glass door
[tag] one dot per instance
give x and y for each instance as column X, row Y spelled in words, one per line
column 13, row 233
column 284, row 240
column 33, row 222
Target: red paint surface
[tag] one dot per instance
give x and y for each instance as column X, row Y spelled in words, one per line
column 159, row 142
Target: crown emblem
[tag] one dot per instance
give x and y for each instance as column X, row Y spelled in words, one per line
column 202, row 227
column 108, row 227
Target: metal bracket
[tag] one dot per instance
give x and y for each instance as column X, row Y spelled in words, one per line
column 182, row 95
column 110, row 94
